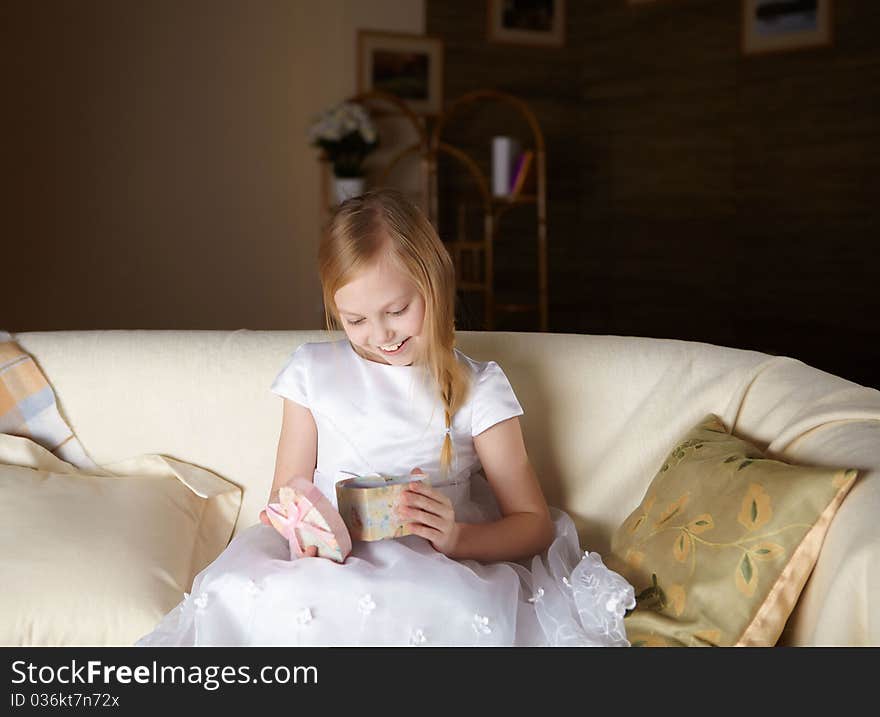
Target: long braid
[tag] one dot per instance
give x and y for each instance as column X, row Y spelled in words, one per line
column 454, row 384
column 446, row 452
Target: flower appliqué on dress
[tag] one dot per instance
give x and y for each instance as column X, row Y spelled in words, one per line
column 366, row 605
column 201, row 601
column 252, row 589
column 417, row 637
column 303, row 617
column 481, row 624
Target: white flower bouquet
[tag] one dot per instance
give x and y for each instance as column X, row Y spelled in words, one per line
column 347, row 135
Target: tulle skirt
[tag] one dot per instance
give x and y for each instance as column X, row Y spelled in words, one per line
column 399, row 592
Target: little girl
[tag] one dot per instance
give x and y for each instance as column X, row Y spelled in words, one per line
column 488, row 562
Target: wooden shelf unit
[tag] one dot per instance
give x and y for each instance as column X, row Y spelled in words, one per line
column 493, row 209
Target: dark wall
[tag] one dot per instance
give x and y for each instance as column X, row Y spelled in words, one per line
column 695, row 192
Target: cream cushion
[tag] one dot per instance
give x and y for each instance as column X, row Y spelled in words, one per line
column 98, row 557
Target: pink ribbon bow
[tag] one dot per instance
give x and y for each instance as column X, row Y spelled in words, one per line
column 286, row 524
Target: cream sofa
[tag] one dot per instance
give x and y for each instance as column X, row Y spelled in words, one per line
column 601, row 412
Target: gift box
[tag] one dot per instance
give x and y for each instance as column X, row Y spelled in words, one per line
column 367, row 505
column 305, row 517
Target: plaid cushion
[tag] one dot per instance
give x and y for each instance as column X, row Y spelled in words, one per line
column 28, row 407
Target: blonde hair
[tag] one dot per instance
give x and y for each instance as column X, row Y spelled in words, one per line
column 384, row 225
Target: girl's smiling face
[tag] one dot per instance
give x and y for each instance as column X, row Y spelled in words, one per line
column 380, row 308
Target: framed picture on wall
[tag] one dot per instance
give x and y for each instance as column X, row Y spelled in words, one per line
column 527, row 22
column 778, row 25
column 409, row 67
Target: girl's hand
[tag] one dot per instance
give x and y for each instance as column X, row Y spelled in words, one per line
column 430, row 515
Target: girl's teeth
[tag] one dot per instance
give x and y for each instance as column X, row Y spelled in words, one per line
column 393, row 347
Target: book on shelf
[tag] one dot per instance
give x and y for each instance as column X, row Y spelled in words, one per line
column 521, row 173
column 504, row 153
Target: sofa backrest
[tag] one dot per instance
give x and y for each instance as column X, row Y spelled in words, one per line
column 601, row 412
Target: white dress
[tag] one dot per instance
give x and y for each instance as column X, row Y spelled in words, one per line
column 378, row 418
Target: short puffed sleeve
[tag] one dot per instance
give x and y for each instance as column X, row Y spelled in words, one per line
column 492, row 399
column 292, row 382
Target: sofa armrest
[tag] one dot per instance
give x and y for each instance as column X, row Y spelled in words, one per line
column 840, row 604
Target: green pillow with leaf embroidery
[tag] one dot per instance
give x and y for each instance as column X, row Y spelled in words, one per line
column 723, row 542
